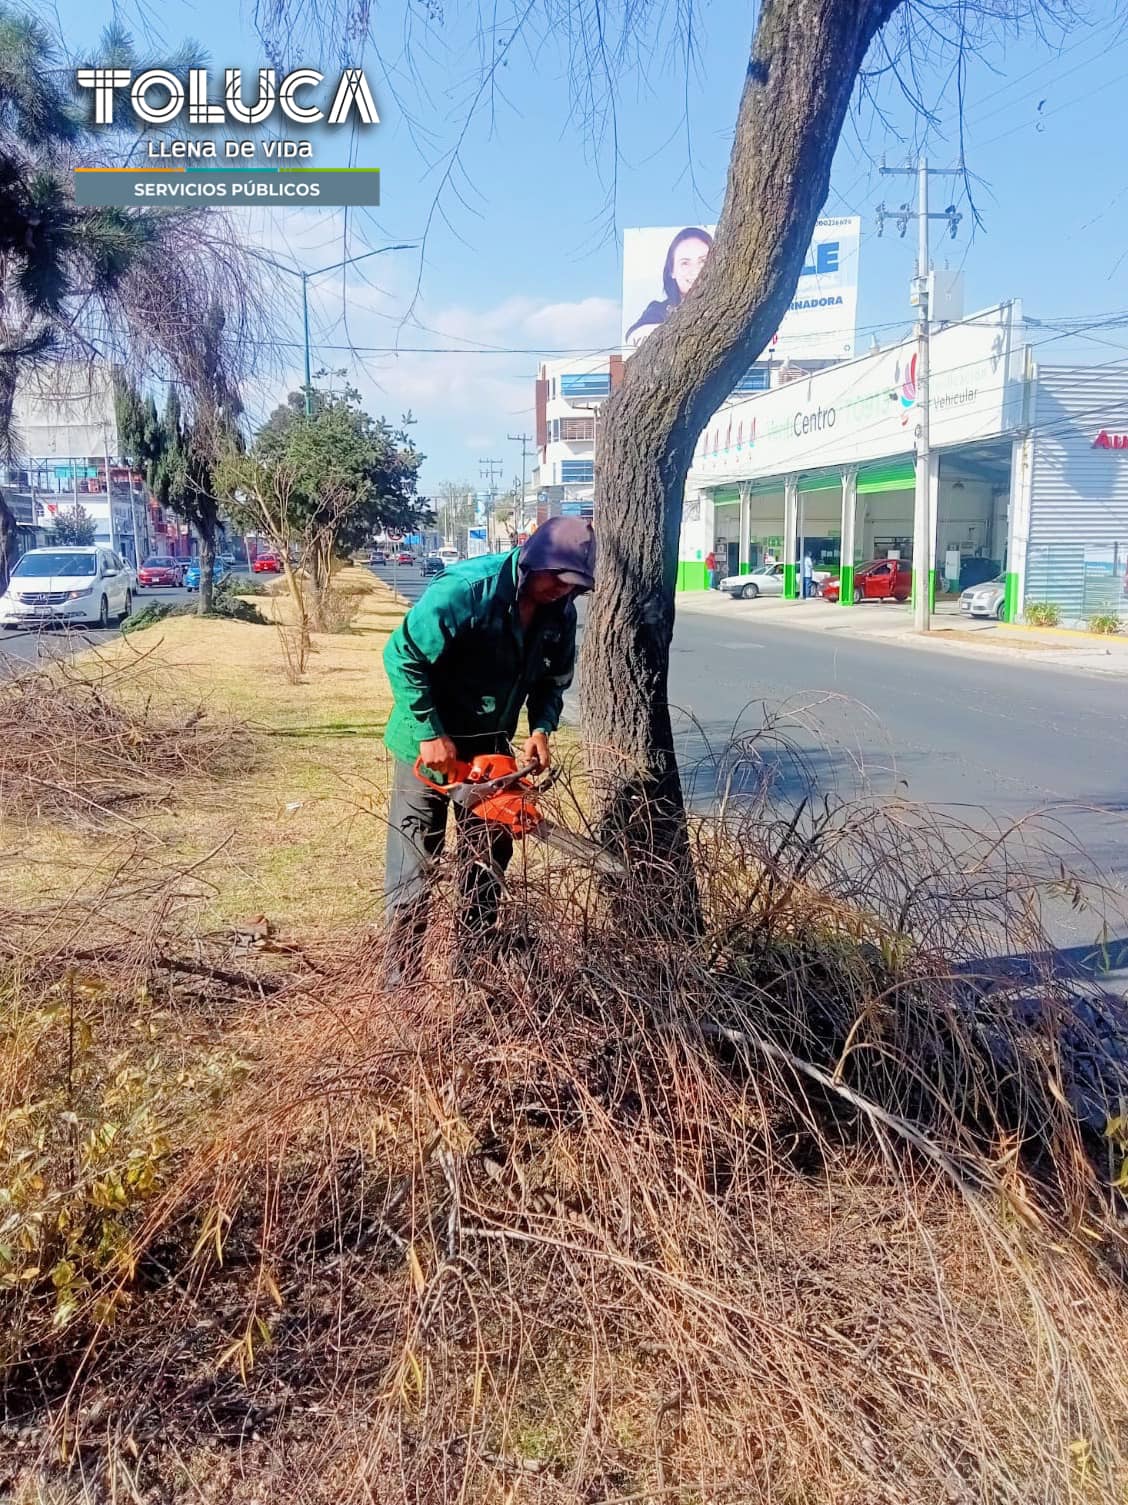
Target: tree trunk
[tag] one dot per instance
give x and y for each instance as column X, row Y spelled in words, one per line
column 805, row 59
column 9, row 543
column 207, row 567
column 8, row 377
column 321, row 573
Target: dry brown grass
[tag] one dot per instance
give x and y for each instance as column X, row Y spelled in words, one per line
column 812, row 1208
column 86, row 745
column 294, row 827
column 794, row 1213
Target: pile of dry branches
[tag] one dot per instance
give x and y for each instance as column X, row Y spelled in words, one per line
column 81, row 741
column 802, row 1209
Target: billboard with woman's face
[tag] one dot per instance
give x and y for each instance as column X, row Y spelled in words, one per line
column 661, row 265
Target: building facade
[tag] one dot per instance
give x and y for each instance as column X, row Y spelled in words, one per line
column 68, row 452
column 1027, row 479
column 569, row 395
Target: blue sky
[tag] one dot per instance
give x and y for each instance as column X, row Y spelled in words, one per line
column 521, row 234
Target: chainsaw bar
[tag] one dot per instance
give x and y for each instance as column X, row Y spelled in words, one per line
column 581, row 848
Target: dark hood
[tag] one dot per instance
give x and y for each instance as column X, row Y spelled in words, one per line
column 565, row 545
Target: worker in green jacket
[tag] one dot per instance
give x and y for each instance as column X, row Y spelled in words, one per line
column 491, row 637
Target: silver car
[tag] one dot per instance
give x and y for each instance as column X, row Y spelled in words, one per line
column 764, row 580
column 985, row 599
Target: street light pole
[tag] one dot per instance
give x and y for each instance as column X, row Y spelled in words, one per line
column 306, row 278
column 305, row 337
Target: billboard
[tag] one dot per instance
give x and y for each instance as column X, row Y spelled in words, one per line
column 661, row 265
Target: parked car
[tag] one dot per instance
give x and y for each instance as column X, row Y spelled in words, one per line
column 405, row 556
column 267, row 564
column 67, row 585
column 160, row 569
column 764, row 580
column 192, row 573
column 985, row 600
column 880, row 580
column 432, row 565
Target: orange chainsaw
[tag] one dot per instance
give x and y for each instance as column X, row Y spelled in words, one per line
column 494, row 788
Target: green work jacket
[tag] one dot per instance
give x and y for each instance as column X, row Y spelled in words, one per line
column 460, row 665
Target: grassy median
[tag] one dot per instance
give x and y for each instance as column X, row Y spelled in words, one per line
column 791, row 1211
column 296, row 834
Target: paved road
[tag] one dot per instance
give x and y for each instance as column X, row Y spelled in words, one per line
column 991, row 741
column 37, row 645
column 405, row 579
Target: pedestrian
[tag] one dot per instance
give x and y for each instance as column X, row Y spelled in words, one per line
column 769, row 559
column 808, row 576
column 711, row 570
column 492, row 636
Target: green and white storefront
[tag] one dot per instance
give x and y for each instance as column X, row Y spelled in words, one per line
column 1026, row 475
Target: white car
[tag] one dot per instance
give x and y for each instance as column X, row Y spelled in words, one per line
column 764, row 580
column 985, row 600
column 77, row 586
column 449, row 556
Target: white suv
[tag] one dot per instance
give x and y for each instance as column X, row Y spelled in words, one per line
column 73, row 585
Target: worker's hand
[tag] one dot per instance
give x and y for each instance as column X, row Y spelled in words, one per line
column 536, row 753
column 439, row 754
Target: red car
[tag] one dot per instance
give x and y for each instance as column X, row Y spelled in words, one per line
column 405, row 556
column 161, row 569
column 881, row 580
column 266, row 564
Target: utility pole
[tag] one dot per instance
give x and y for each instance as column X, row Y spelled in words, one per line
column 523, row 441
column 491, row 473
column 923, row 548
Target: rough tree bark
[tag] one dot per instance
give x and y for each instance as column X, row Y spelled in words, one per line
column 805, row 60
column 207, row 568
column 9, row 542
column 320, row 574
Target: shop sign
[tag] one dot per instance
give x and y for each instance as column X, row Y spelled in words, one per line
column 1105, row 440
column 866, row 409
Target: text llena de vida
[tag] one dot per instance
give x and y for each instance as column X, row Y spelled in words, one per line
column 210, row 149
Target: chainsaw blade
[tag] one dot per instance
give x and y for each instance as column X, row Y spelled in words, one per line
column 581, row 848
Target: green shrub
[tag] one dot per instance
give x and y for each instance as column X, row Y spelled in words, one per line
column 1107, row 623
column 1043, row 613
column 247, row 585
column 154, row 612
column 225, row 603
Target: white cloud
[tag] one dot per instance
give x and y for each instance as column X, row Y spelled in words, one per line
column 467, row 374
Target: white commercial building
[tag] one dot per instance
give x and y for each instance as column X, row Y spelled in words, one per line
column 65, row 439
column 1028, row 475
column 569, row 394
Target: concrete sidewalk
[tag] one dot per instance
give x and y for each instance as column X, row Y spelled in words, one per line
column 951, row 631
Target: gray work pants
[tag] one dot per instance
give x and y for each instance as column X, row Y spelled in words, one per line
column 417, row 822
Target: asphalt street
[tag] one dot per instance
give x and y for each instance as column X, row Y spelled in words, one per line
column 406, row 579
column 37, row 645
column 990, row 742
